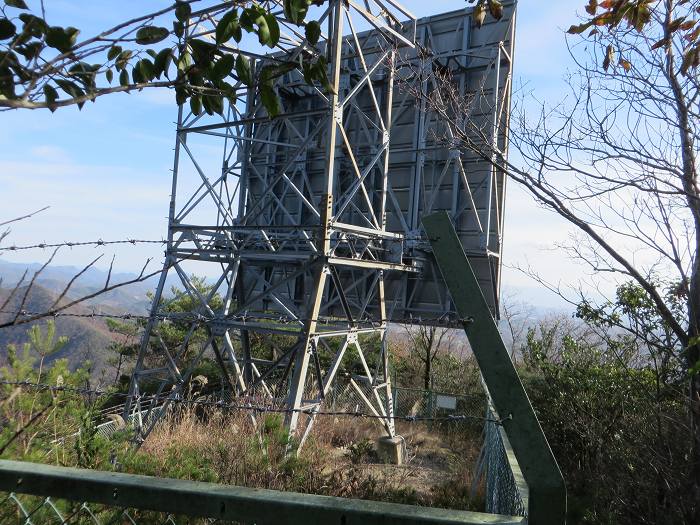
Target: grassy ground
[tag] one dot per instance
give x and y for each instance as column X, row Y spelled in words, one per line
column 339, row 459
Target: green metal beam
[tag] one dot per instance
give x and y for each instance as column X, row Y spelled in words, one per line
column 224, row 502
column 547, row 504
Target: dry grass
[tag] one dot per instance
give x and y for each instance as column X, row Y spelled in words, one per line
column 338, row 459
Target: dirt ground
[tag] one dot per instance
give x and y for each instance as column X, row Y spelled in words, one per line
column 438, row 470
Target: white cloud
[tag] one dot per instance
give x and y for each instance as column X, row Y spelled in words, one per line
column 87, row 202
column 49, row 153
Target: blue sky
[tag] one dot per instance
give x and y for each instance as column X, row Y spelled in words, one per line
column 105, row 170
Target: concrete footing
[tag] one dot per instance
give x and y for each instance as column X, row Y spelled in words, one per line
column 391, row 449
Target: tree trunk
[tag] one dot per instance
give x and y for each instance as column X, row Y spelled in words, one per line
column 693, row 354
column 427, row 370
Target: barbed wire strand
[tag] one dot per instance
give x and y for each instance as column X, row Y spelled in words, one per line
column 251, row 407
column 70, row 244
column 201, row 318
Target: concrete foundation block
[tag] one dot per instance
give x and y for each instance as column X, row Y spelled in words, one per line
column 391, row 449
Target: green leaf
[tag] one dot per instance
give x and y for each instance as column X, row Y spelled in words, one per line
column 162, row 62
column 237, row 34
column 243, row 70
column 113, row 52
column 178, row 29
column 60, row 38
column 319, row 72
column 273, row 28
column 287, row 8
column 227, row 90
column 151, row 35
column 110, row 75
column 313, row 32
column 123, row 59
column 7, row 29
column 307, row 71
column 184, row 62
column 51, row 96
column 295, row 10
column 152, row 53
column 71, row 88
column 269, row 73
column 7, row 84
column 146, row 69
column 180, row 95
column 270, row 100
column 246, row 19
column 21, row 72
column 33, row 24
column 206, row 104
column 30, row 50
column 217, row 103
column 223, row 67
column 124, row 78
column 213, row 104
column 84, row 73
column 196, row 104
column 264, row 34
column 183, row 11
column 19, row 4
column 136, row 75
column 227, row 26
column 203, row 52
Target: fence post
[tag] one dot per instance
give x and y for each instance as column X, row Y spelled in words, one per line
column 429, row 408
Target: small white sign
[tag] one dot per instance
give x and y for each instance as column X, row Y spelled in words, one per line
column 448, row 402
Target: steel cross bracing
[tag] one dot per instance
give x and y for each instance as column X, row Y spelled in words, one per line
column 311, row 220
column 467, row 70
column 294, row 220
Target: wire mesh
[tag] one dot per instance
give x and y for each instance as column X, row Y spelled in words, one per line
column 22, row 509
column 506, row 490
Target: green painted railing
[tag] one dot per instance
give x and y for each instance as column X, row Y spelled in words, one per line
column 96, row 492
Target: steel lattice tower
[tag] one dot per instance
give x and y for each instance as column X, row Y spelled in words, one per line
column 312, row 220
column 299, row 232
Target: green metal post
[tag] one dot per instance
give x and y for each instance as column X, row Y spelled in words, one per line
column 547, row 502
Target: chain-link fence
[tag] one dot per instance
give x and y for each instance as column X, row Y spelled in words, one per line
column 506, row 490
column 406, row 402
column 427, row 403
column 35, row 510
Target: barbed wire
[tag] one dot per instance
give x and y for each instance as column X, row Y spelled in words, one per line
column 70, row 244
column 256, row 408
column 447, row 322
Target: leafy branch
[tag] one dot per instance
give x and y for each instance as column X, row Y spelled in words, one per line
column 639, row 15
column 47, row 66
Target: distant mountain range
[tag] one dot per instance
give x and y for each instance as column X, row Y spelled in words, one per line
column 128, row 299
column 89, row 338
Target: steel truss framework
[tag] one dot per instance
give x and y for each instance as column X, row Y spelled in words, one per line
column 312, row 218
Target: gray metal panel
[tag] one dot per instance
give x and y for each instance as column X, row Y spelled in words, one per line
column 424, row 175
